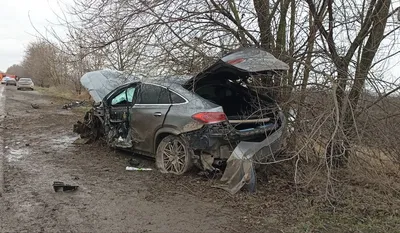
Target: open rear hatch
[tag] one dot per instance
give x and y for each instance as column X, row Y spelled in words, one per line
column 232, row 82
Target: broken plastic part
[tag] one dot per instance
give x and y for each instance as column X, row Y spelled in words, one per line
column 60, row 186
column 138, row 169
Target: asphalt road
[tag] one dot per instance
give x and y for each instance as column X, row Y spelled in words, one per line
column 2, row 115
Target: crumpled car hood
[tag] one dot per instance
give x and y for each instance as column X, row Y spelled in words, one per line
column 101, row 82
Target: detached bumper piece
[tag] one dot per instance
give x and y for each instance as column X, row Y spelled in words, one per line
column 60, row 186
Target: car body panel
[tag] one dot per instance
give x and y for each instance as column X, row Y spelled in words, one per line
column 145, row 122
column 253, row 60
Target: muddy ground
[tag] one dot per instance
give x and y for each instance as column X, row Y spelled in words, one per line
column 38, row 150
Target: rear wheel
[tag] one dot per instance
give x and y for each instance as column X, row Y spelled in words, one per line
column 174, row 155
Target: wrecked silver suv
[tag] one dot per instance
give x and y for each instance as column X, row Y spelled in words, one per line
column 185, row 121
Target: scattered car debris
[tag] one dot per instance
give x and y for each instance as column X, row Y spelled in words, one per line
column 73, row 104
column 35, row 106
column 60, row 186
column 138, row 169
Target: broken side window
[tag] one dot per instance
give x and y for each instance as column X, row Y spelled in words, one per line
column 124, row 97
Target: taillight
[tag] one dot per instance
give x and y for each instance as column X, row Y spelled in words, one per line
column 210, row 117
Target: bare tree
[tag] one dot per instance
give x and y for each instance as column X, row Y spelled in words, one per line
column 17, row 70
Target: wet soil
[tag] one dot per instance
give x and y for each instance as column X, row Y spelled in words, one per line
column 38, row 150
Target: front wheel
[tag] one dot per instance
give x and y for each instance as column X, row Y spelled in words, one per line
column 174, row 155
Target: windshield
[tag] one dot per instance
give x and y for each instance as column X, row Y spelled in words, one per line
column 25, row 80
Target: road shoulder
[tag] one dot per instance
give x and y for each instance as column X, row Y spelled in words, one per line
column 2, row 115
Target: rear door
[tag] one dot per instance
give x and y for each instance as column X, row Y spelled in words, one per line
column 148, row 114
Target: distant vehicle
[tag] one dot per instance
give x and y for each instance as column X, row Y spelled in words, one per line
column 4, row 80
column 11, row 82
column 4, row 77
column 25, row 83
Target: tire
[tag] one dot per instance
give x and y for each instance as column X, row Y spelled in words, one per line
column 173, row 163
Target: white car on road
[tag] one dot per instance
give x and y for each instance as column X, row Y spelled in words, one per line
column 25, row 83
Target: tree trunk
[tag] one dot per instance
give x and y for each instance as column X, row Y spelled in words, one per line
column 263, row 13
column 281, row 33
column 364, row 65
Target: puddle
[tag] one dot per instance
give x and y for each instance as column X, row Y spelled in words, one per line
column 62, row 142
column 14, row 155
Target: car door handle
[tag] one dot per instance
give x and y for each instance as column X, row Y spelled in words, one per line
column 157, row 114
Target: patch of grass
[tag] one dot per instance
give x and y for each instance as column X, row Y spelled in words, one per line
column 63, row 93
column 349, row 220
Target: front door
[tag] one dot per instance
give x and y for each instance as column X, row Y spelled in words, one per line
column 149, row 112
column 118, row 116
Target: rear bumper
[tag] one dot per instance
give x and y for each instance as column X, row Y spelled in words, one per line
column 220, row 140
column 25, row 86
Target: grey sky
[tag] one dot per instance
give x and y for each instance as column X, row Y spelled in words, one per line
column 16, row 30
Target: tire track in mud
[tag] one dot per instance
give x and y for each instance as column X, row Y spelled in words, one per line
column 2, row 115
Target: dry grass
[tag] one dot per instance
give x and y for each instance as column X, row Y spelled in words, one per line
column 63, row 93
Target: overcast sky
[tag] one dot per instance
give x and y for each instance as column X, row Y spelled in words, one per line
column 16, row 29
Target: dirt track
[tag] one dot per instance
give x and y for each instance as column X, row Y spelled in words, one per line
column 38, row 150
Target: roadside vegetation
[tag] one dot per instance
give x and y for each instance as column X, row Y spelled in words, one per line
column 341, row 167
